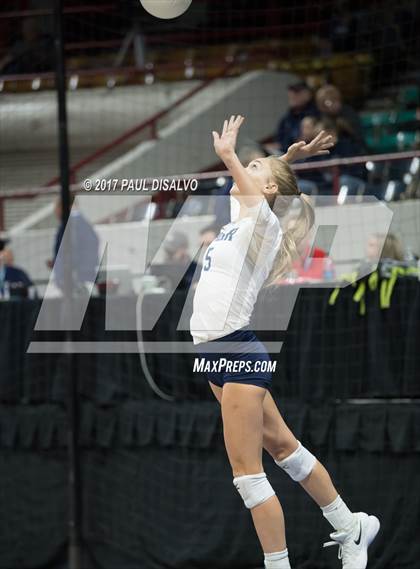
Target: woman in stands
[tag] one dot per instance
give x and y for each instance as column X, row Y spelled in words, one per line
column 249, row 252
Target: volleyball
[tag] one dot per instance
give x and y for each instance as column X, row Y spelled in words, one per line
column 166, row 9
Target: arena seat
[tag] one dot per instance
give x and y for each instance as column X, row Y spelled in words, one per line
column 409, row 95
column 390, row 142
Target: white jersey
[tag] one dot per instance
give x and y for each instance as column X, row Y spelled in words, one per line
column 236, row 265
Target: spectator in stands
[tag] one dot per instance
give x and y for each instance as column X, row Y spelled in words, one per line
column 12, row 278
column 352, row 176
column 381, row 246
column 347, row 122
column 309, row 128
column 344, row 145
column 301, row 105
column 32, row 53
column 313, row 262
column 84, row 248
column 177, row 254
column 311, row 181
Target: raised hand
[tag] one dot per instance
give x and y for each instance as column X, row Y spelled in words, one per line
column 319, row 146
column 225, row 144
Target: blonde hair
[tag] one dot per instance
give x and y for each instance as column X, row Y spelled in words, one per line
column 392, row 246
column 280, row 202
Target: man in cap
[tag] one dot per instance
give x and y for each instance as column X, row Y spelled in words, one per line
column 301, row 105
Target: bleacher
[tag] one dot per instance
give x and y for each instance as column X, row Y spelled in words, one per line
column 395, row 128
column 186, row 58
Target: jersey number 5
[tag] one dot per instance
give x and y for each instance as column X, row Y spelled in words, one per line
column 207, row 259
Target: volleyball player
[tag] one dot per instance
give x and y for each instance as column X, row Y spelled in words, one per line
column 248, row 253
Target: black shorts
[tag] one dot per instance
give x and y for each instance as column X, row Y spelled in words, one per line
column 247, row 360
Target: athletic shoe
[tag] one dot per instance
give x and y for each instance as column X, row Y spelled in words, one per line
column 353, row 545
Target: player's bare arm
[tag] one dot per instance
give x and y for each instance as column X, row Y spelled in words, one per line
column 319, row 146
column 224, row 146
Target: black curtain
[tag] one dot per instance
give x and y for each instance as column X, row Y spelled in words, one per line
column 330, row 351
column 157, row 487
column 158, row 492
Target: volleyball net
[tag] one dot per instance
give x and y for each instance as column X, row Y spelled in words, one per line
column 143, row 97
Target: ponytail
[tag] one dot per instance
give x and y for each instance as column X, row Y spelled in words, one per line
column 281, row 201
column 288, row 251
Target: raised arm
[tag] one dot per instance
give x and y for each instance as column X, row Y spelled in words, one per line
column 224, row 146
column 319, row 146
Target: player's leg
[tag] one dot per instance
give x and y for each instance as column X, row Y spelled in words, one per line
column 354, row 531
column 242, row 413
column 279, row 442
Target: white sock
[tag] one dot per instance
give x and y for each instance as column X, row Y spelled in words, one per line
column 338, row 514
column 279, row 560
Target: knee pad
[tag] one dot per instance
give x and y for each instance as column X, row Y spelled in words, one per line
column 299, row 464
column 254, row 489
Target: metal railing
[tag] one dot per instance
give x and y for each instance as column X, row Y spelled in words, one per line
column 333, row 166
column 150, row 124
